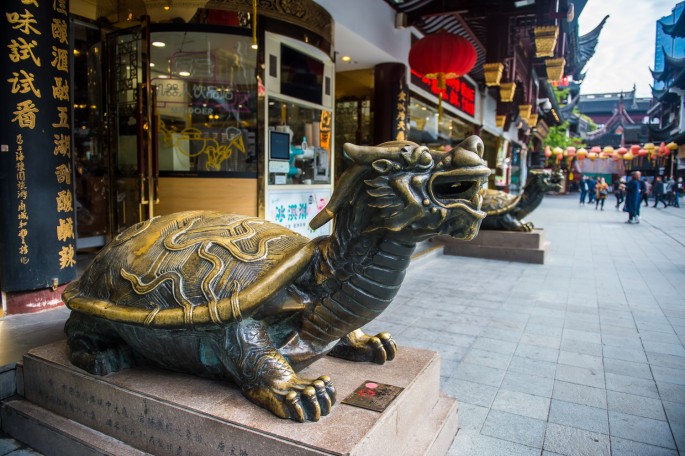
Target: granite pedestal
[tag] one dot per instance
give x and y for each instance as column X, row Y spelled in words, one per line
column 167, row 413
column 524, row 247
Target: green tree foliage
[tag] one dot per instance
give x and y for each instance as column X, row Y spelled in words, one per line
column 557, row 137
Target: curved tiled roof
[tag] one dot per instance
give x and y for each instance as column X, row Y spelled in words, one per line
column 586, row 48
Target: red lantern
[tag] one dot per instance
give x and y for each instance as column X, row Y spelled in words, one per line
column 548, row 151
column 622, row 151
column 642, row 152
column 442, row 56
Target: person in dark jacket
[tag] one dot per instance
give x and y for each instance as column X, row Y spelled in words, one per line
column 591, row 184
column 659, row 190
column 633, row 197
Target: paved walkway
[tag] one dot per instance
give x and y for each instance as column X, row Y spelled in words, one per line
column 581, row 356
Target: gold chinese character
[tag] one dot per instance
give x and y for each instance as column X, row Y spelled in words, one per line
column 25, row 84
column 63, row 173
column 23, row 22
column 22, row 234
column 19, row 156
column 20, row 139
column 60, row 90
column 21, row 186
column 63, row 121
column 22, row 193
column 25, row 115
column 21, row 176
column 60, row 6
column 64, row 201
column 65, row 229
column 24, row 250
column 59, row 30
column 66, row 256
column 21, row 166
column 22, row 223
column 21, row 207
column 61, row 59
column 20, row 49
column 30, row 2
column 22, row 215
column 62, row 145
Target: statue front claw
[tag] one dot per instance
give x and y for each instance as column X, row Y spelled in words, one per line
column 357, row 346
column 296, row 398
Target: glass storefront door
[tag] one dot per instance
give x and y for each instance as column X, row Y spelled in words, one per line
column 132, row 164
column 91, row 158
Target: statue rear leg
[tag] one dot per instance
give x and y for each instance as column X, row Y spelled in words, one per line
column 268, row 380
column 95, row 347
column 358, row 346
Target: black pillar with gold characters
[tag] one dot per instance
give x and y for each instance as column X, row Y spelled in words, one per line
column 390, row 103
column 37, row 236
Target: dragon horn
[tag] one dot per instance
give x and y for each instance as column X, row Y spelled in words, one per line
column 342, row 189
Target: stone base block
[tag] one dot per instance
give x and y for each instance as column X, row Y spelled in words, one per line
column 167, row 413
column 518, row 246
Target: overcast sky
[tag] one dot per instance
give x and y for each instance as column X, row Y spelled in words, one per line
column 625, row 51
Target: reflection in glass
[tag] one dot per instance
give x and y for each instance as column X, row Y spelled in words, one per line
column 206, row 103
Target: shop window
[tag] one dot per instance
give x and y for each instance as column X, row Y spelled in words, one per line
column 426, row 127
column 206, row 103
column 308, row 133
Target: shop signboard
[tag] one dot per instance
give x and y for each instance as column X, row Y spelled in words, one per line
column 295, row 208
column 459, row 93
column 36, row 190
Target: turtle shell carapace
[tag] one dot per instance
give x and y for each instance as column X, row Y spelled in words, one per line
column 190, row 268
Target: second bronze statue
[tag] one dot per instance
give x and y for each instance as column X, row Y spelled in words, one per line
column 239, row 298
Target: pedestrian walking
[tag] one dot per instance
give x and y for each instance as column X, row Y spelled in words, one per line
column 583, row 190
column 601, row 192
column 591, row 184
column 669, row 194
column 659, row 189
column 620, row 192
column 676, row 195
column 633, row 197
column 645, row 191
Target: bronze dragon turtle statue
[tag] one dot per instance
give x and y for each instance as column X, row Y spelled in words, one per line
column 506, row 212
column 239, row 298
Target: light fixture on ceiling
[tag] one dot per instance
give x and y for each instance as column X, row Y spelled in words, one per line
column 167, row 5
column 346, row 58
column 184, row 73
column 522, row 3
column 159, row 44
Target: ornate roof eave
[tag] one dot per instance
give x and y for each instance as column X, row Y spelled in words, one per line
column 673, row 62
column 657, row 93
column 567, row 111
column 661, row 76
column 587, row 45
column 677, row 29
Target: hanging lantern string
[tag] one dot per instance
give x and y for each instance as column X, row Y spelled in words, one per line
column 254, row 24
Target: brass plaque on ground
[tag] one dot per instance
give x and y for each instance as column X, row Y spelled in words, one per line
column 373, row 396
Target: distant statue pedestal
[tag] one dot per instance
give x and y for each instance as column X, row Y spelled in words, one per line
column 67, row 411
column 523, row 247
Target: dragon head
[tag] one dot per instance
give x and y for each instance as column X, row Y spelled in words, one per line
column 407, row 188
column 547, row 182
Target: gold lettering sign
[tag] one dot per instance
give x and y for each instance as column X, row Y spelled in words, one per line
column 63, row 173
column 65, row 229
column 65, row 201
column 60, row 6
column 63, row 121
column 61, row 59
column 20, row 49
column 25, row 115
column 59, row 30
column 66, row 256
column 30, row 2
column 23, row 22
column 22, row 82
column 62, row 145
column 60, row 90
